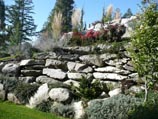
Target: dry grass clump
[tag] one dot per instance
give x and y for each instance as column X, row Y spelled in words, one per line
column 57, row 25
column 76, row 18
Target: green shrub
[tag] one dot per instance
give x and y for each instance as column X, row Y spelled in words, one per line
column 90, row 90
column 63, row 110
column 143, row 49
column 115, row 107
column 45, row 106
column 149, row 110
column 25, row 91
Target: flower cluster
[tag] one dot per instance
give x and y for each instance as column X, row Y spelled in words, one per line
column 110, row 33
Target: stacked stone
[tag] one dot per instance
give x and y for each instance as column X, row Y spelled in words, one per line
column 69, row 64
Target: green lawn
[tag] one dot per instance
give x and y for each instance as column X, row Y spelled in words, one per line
column 12, row 111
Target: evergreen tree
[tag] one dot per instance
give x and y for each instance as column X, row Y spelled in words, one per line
column 2, row 15
column 81, row 22
column 128, row 14
column 2, row 26
column 65, row 7
column 21, row 23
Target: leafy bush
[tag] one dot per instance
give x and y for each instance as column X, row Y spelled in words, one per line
column 148, row 110
column 143, row 48
column 115, row 107
column 45, row 106
column 90, row 90
column 25, row 91
column 63, row 110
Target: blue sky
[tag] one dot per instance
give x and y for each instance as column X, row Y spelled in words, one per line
column 93, row 8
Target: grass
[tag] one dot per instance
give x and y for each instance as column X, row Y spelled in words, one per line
column 11, row 111
column 7, row 58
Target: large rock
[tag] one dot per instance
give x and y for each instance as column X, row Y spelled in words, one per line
column 72, row 83
column 12, row 98
column 48, row 80
column 34, row 73
column 107, row 56
column 60, row 94
column 40, row 96
column 79, row 67
column 112, row 84
column 69, row 57
column 11, row 69
column 1, row 86
column 80, row 49
column 2, row 94
column 129, row 68
column 136, row 89
column 52, row 55
column 71, row 66
column 28, row 79
column 2, row 64
column 108, row 76
column 114, row 92
column 134, row 76
column 50, row 63
column 110, row 69
column 115, row 62
column 76, row 75
column 78, row 109
column 103, row 47
column 92, row 59
column 29, row 62
column 55, row 73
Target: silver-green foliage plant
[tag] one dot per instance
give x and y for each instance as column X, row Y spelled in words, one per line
column 10, row 83
column 144, row 46
column 63, row 110
column 45, row 106
column 116, row 107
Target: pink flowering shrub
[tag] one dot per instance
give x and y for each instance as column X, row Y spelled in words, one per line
column 111, row 33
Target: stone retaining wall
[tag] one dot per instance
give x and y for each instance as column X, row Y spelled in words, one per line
column 68, row 65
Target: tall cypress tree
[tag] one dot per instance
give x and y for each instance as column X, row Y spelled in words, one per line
column 21, row 23
column 2, row 15
column 81, row 22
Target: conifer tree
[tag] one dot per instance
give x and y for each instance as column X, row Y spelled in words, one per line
column 2, row 25
column 21, row 23
column 81, row 22
column 128, row 14
column 65, row 7
column 2, row 15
